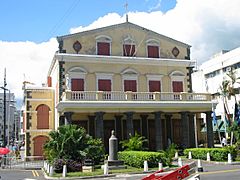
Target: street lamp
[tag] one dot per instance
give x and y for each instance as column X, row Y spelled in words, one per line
column 4, row 114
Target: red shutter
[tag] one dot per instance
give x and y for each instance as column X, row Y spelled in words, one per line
column 154, row 86
column 104, row 85
column 49, row 81
column 130, row 85
column 77, row 84
column 103, row 48
column 177, row 86
column 153, row 52
column 128, row 50
column 43, row 117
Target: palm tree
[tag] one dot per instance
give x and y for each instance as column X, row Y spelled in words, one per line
column 72, row 142
column 227, row 90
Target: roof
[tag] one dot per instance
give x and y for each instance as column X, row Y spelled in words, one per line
column 128, row 24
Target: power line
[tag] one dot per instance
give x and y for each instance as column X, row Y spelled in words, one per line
column 63, row 18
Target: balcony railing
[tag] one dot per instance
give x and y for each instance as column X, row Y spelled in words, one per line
column 133, row 96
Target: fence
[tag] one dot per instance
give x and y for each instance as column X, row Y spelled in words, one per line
column 29, row 162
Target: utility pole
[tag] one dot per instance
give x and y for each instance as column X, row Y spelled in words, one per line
column 4, row 109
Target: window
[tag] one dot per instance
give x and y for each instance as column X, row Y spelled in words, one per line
column 130, row 85
column 103, row 48
column 177, row 86
column 129, row 77
column 75, row 79
column 77, row 84
column 153, row 51
column 103, row 45
column 43, row 117
column 154, row 86
column 104, row 85
column 128, row 50
column 177, row 80
column 129, row 46
column 153, row 48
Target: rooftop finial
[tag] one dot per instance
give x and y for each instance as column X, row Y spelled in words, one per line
column 126, row 8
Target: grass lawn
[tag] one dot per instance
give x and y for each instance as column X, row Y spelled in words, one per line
column 99, row 171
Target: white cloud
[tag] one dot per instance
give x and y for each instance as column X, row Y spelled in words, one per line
column 25, row 61
column 207, row 25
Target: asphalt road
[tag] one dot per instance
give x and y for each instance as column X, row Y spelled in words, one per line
column 14, row 174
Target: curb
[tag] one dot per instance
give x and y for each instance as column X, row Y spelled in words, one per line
column 83, row 177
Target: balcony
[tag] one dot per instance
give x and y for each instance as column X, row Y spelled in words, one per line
column 117, row 101
column 133, row 96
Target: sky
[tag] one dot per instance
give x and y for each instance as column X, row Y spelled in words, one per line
column 28, row 29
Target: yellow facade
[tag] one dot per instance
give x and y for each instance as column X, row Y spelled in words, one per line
column 148, row 91
column 38, row 117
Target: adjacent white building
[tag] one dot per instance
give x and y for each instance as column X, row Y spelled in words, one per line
column 209, row 76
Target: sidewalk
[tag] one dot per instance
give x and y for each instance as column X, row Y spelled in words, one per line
column 207, row 167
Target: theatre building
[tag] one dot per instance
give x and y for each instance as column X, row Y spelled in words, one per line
column 130, row 79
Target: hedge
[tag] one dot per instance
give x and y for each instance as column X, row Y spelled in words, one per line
column 137, row 158
column 216, row 154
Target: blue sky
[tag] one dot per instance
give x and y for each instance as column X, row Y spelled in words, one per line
column 28, row 29
column 39, row 20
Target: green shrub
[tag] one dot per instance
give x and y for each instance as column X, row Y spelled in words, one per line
column 216, row 154
column 137, row 158
column 134, row 143
column 169, row 154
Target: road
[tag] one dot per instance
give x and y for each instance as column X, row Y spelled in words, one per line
column 13, row 174
column 211, row 172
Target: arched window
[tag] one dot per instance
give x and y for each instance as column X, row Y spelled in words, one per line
column 103, row 45
column 177, row 79
column 153, row 50
column 75, row 79
column 38, row 143
column 129, row 77
column 129, row 46
column 43, row 117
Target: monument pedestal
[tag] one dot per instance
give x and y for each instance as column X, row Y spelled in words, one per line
column 113, row 162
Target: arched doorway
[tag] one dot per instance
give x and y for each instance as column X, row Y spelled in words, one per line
column 38, row 143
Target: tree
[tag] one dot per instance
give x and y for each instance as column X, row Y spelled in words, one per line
column 72, row 142
column 227, row 90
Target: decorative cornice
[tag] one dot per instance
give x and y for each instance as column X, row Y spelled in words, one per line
column 123, row 60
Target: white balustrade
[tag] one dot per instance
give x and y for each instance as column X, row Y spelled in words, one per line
column 133, row 96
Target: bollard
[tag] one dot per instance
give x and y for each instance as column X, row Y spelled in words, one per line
column 229, row 158
column 180, row 164
column 105, row 169
column 51, row 171
column 208, row 157
column 44, row 165
column 189, row 155
column 199, row 166
column 176, row 155
column 160, row 166
column 64, row 173
column 48, row 168
column 145, row 169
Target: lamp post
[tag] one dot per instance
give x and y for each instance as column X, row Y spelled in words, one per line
column 4, row 113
